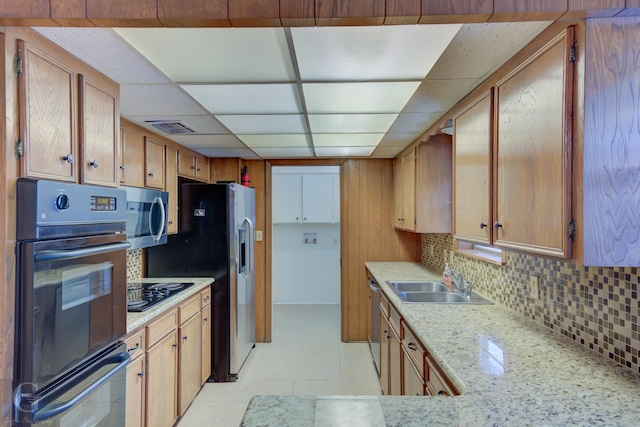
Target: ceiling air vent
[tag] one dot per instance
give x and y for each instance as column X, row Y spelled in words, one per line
column 172, row 127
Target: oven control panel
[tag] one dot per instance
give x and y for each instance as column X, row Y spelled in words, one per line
column 101, row 203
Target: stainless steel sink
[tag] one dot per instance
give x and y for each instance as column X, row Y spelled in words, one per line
column 418, row 286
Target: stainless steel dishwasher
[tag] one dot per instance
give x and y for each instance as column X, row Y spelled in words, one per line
column 374, row 338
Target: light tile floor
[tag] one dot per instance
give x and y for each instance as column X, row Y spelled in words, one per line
column 305, row 357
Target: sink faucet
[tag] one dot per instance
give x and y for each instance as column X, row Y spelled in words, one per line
column 460, row 283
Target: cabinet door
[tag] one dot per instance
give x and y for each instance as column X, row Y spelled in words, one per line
column 99, row 120
column 202, row 169
column 409, row 191
column 413, row 383
column 122, row 149
column 134, row 158
column 385, row 334
column 318, row 198
column 47, row 104
column 286, row 198
column 135, row 393
column 472, row 172
column 205, row 345
column 171, row 186
column 154, row 163
column 398, row 206
column 395, row 364
column 533, row 160
column 189, row 372
column 162, row 382
column 186, row 165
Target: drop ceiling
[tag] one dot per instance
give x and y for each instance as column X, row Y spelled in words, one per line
column 310, row 92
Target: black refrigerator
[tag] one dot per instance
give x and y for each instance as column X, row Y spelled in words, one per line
column 216, row 239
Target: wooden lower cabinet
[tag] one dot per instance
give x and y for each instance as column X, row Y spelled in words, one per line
column 205, row 344
column 384, row 352
column 395, row 364
column 189, row 372
column 135, row 393
column 413, row 382
column 162, row 382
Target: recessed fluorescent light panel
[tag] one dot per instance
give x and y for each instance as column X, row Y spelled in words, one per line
column 247, row 98
column 279, row 141
column 344, row 151
column 346, row 139
column 351, row 123
column 264, row 124
column 395, row 52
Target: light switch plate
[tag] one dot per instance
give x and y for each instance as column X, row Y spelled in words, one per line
column 258, row 235
column 535, row 287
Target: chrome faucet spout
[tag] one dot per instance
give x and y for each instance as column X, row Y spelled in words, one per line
column 460, row 283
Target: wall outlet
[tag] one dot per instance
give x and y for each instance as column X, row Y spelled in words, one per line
column 430, row 250
column 534, row 287
column 258, row 235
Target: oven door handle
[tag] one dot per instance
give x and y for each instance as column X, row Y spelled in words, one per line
column 157, row 202
column 76, row 253
column 121, row 359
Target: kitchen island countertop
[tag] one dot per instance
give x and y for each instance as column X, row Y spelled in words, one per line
column 135, row 320
column 509, row 370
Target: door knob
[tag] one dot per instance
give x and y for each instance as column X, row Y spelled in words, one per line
column 483, row 225
column 68, row 158
column 94, row 164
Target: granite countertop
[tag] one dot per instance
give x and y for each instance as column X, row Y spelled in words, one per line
column 509, row 370
column 135, row 320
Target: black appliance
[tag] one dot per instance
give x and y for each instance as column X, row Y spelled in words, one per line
column 143, row 296
column 70, row 304
column 216, row 239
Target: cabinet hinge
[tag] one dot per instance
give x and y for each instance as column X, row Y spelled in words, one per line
column 572, row 53
column 19, row 148
column 572, row 229
column 17, row 65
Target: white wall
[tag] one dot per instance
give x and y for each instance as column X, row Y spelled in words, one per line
column 306, row 273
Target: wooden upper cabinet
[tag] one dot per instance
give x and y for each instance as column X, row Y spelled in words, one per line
column 193, row 13
column 441, row 11
column 171, row 187
column 193, row 166
column 350, row 12
column 18, row 13
column 122, row 150
column 47, row 109
column 472, row 145
column 409, row 191
column 133, row 166
column 99, row 119
column 533, row 152
column 398, row 193
column 70, row 13
column 154, row 163
column 123, row 13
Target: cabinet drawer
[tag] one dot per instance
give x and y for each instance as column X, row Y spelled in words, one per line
column 437, row 382
column 188, row 308
column 205, row 297
column 135, row 344
column 394, row 319
column 384, row 304
column 414, row 348
column 157, row 329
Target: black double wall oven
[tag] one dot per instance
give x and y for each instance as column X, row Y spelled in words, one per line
column 69, row 364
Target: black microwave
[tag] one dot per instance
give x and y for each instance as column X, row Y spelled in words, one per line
column 146, row 217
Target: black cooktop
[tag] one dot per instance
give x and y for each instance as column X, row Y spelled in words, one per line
column 143, row 296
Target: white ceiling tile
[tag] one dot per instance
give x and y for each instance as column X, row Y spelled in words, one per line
column 480, row 48
column 247, row 98
column 399, row 139
column 439, row 95
column 401, row 52
column 367, row 97
column 386, row 152
column 351, row 123
column 278, row 141
column 244, row 153
column 277, row 153
column 208, row 141
column 156, row 100
column 344, row 151
column 215, row 54
column 346, row 139
column 106, row 51
column 200, row 124
column 264, row 124
column 414, row 122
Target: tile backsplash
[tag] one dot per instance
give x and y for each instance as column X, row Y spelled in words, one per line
column 134, row 265
column 598, row 307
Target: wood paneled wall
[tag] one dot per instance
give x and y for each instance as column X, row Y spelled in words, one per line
column 224, row 169
column 265, row 13
column 612, row 143
column 367, row 235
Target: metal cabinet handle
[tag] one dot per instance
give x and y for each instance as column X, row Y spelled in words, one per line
column 141, row 374
column 170, row 221
column 94, row 164
column 198, row 170
column 412, row 346
column 193, row 167
column 483, row 225
column 134, row 348
column 441, row 392
column 151, row 174
column 206, row 319
column 497, row 225
column 185, row 337
column 68, row 158
column 174, row 345
column 206, row 299
column 121, row 167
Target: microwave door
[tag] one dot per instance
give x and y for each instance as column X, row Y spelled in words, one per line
column 157, row 219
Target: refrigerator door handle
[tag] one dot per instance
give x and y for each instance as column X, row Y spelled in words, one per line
column 249, row 251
